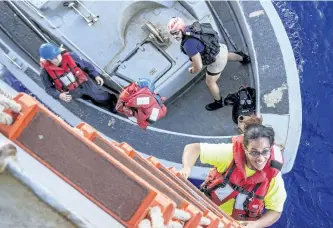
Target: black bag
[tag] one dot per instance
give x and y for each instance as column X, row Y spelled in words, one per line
column 209, row 38
column 243, row 102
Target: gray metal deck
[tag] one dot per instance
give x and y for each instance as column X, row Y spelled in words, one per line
column 188, row 114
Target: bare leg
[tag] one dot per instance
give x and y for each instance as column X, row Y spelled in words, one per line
column 214, row 89
column 239, row 56
column 234, row 57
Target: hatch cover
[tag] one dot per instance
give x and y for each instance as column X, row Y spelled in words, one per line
column 146, row 62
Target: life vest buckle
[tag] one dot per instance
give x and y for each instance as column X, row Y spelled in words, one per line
column 223, row 184
column 238, row 188
column 250, row 195
column 206, row 191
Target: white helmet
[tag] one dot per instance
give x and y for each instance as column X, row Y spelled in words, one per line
column 176, row 24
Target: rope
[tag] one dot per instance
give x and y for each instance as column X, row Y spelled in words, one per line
column 6, row 101
column 4, row 93
column 155, row 219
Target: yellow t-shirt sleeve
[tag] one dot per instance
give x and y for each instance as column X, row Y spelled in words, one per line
column 218, row 155
column 276, row 194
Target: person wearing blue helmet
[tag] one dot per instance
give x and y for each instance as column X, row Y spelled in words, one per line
column 66, row 75
column 144, row 82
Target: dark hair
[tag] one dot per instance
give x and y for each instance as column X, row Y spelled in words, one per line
column 256, row 131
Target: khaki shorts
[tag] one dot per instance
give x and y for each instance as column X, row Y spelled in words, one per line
column 220, row 63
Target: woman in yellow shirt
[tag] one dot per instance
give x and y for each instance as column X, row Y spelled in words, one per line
column 251, row 160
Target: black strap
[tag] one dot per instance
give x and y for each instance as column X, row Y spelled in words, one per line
column 256, row 187
column 251, row 194
column 275, row 164
column 213, row 74
column 231, row 170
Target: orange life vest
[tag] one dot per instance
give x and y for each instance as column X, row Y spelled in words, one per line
column 248, row 192
column 66, row 77
column 141, row 104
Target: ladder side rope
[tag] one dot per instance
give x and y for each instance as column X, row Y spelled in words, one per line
column 7, row 102
column 4, row 93
column 155, row 219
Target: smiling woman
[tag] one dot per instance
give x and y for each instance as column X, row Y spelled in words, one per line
column 258, row 142
column 246, row 178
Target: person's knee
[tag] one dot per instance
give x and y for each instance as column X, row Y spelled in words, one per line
column 211, row 84
column 210, row 81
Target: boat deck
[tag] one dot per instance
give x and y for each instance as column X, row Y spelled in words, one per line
column 187, row 114
column 187, row 120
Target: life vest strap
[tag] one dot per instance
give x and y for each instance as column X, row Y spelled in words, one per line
column 58, row 77
column 277, row 165
column 237, row 188
column 208, row 191
column 249, row 198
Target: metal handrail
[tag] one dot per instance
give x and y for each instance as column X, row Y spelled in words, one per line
column 12, row 61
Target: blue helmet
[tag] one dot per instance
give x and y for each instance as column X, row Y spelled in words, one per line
column 144, row 82
column 49, row 51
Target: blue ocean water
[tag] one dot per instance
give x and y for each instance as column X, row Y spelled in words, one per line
column 310, row 183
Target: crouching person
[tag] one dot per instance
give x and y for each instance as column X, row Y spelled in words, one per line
column 66, row 76
column 201, row 44
column 246, row 178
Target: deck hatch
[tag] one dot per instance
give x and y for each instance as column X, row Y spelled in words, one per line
column 146, row 62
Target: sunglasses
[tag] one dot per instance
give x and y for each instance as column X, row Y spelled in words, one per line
column 265, row 153
column 174, row 33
